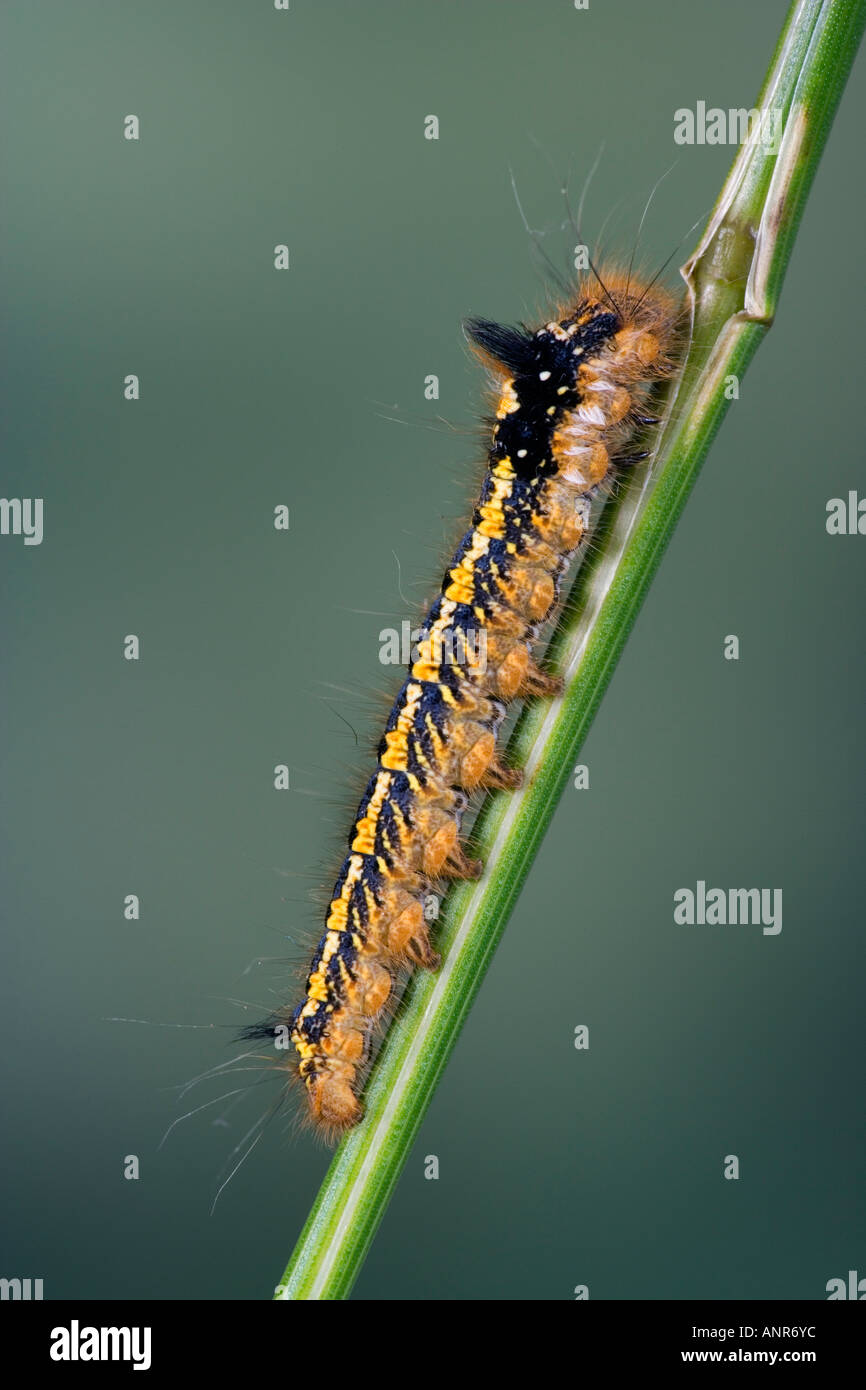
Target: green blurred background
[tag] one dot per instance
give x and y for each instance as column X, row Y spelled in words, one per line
column 557, row 1167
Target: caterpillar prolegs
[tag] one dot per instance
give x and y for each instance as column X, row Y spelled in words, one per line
column 569, row 399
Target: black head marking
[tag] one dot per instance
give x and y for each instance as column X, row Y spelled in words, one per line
column 596, row 332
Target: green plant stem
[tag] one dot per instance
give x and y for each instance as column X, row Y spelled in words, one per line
column 732, row 285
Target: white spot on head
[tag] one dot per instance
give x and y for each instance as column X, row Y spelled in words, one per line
column 521, row 453
column 544, row 376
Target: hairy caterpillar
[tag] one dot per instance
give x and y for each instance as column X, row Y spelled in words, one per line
column 569, row 398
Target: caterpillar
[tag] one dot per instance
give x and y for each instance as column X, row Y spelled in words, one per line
column 569, row 399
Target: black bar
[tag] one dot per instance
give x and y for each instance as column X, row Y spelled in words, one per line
column 251, row 1338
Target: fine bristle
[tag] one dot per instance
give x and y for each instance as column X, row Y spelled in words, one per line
column 512, row 347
